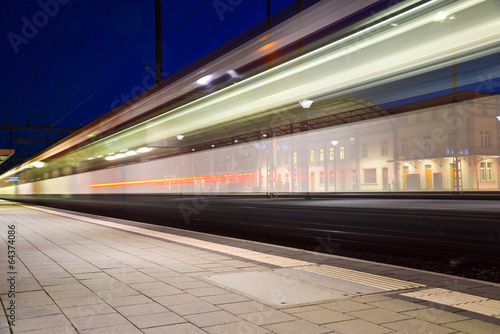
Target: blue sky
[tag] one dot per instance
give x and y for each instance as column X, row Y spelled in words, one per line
column 67, row 62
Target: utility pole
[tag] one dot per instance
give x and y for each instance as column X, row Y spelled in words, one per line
column 158, row 40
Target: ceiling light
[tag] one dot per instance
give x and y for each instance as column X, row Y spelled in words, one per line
column 204, row 80
column 180, row 137
column 306, row 103
column 144, row 149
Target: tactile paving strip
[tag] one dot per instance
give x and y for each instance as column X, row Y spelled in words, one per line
column 376, row 281
column 482, row 305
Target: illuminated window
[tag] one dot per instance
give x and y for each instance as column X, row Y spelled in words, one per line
column 486, row 171
column 322, row 155
column 383, row 148
column 370, row 175
column 332, row 153
column 342, row 152
column 365, row 150
column 322, row 178
column 294, row 158
column 312, row 155
column 485, row 138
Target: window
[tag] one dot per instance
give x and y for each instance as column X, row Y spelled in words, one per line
column 312, row 155
column 404, row 120
column 332, row 153
column 435, row 114
column 427, row 143
column 322, row 178
column 370, row 175
column 485, row 138
column 352, row 149
column 342, row 152
column 322, row 155
column 354, row 176
column 383, row 148
column 404, row 146
column 365, row 150
column 294, row 158
column 419, row 117
column 486, row 171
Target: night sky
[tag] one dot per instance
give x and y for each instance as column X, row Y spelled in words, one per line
column 68, row 62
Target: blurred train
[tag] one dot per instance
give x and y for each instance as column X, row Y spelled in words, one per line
column 306, row 106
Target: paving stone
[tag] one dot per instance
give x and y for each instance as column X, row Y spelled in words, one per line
column 190, row 285
column 99, row 321
column 396, row 305
column 249, row 306
column 268, row 317
column 346, row 306
column 87, row 310
column 297, row 327
column 378, row 316
column 184, row 328
column 155, row 319
column 224, row 299
column 141, row 309
column 301, row 309
column 79, row 301
column 194, row 308
column 71, row 294
column 209, row 291
column 120, row 329
column 242, row 327
column 435, row 315
column 128, row 300
column 59, row 330
column 177, row 299
column 357, row 326
column 323, row 316
column 50, row 321
column 212, row 318
column 37, row 311
column 369, row 298
column 474, row 326
column 417, row 326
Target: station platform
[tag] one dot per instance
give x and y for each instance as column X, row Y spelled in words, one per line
column 68, row 272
